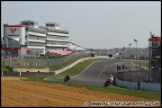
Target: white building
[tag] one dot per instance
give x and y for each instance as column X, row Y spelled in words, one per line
column 75, row 47
column 29, row 38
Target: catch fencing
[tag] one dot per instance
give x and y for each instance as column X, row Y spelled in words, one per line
column 38, row 62
column 13, row 73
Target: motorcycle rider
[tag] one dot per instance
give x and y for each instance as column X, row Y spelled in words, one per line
column 66, row 78
column 109, row 81
column 111, row 78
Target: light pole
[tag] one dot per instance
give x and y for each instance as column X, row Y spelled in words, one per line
column 123, row 51
column 129, row 54
column 136, row 52
column 10, row 57
column 123, row 66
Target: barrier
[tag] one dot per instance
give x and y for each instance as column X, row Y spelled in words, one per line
column 13, row 73
column 139, row 85
column 39, row 62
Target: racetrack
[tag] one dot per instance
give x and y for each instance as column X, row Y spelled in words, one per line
column 96, row 74
column 20, row 93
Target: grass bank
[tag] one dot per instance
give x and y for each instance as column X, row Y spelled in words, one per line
column 144, row 63
column 81, row 66
column 59, row 66
column 4, row 68
column 77, row 69
column 137, row 93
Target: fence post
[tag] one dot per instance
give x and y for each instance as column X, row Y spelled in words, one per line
column 2, row 73
column 125, row 74
column 143, row 76
column 38, row 62
column 20, row 73
column 138, row 85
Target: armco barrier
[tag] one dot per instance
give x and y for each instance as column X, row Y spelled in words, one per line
column 13, row 73
column 142, row 85
column 127, row 84
column 151, row 86
column 10, row 73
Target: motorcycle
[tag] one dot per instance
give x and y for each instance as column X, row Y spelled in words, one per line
column 66, row 78
column 107, row 83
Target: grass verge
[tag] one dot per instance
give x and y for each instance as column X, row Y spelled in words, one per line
column 57, row 67
column 144, row 63
column 4, row 68
column 130, row 92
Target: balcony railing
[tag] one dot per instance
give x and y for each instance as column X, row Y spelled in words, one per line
column 58, row 31
column 35, row 40
column 37, row 30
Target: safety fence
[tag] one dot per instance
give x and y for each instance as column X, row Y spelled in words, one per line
column 148, row 76
column 39, row 62
column 14, row 73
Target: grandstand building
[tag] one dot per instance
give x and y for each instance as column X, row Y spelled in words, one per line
column 75, row 47
column 27, row 38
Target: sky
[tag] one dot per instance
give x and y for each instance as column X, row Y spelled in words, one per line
column 92, row 24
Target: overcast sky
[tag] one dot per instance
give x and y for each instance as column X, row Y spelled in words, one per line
column 92, row 24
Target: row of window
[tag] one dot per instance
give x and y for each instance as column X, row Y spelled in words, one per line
column 37, row 30
column 35, row 37
column 54, row 49
column 48, row 36
column 35, row 44
column 58, row 31
column 57, row 43
column 36, row 50
column 43, row 44
column 57, row 37
column 41, row 30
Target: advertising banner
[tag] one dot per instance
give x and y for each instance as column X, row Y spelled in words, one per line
column 15, row 31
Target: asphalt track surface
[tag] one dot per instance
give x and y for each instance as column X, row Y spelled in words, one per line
column 96, row 74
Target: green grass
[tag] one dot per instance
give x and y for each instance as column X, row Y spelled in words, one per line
column 130, row 92
column 144, row 63
column 4, row 68
column 77, row 69
column 57, row 67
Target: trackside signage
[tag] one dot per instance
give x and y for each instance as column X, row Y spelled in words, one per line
column 15, row 31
